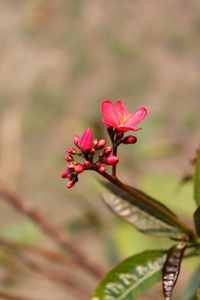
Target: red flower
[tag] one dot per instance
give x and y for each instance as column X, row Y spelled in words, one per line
column 117, row 116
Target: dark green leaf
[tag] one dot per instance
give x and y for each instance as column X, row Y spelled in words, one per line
column 197, row 181
column 197, row 220
column 171, row 269
column 132, row 277
column 143, row 217
column 192, row 291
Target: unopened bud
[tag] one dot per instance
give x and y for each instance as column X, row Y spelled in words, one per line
column 111, row 160
column 97, row 163
column 102, row 168
column 79, row 169
column 77, row 141
column 86, row 163
column 131, row 139
column 70, row 166
column 120, row 135
column 100, row 155
column 71, row 150
column 95, row 142
column 86, row 141
column 197, row 149
column 65, row 174
column 107, row 151
column 101, row 144
column 69, row 158
column 71, row 183
column 92, row 151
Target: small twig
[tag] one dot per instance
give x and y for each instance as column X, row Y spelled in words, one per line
column 8, row 296
column 52, row 275
column 47, row 254
column 61, row 238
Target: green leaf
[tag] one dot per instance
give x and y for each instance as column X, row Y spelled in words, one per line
column 197, row 181
column 192, row 291
column 197, row 220
column 131, row 277
column 143, row 217
column 171, row 269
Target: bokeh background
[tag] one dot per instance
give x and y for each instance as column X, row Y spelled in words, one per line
column 59, row 59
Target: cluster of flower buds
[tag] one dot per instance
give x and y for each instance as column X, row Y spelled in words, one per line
column 193, row 158
column 87, row 148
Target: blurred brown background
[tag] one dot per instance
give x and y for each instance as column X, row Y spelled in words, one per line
column 58, row 61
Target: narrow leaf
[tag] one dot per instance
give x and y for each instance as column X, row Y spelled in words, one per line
column 192, row 291
column 171, row 269
column 197, row 181
column 143, row 217
column 197, row 220
column 131, row 277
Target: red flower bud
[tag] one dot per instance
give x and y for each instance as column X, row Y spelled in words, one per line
column 101, row 144
column 102, row 168
column 69, row 158
column 79, row 169
column 95, row 142
column 65, row 174
column 70, row 166
column 77, row 141
column 71, row 150
column 100, row 155
column 86, row 163
column 86, row 140
column 131, row 139
column 107, row 151
column 93, row 151
column 71, row 183
column 111, row 160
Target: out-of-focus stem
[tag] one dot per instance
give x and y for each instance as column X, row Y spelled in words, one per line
column 60, row 237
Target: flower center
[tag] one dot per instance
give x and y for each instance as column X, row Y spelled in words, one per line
column 125, row 118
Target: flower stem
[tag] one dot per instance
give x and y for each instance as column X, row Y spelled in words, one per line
column 193, row 236
column 114, row 146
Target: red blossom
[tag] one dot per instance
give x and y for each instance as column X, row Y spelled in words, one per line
column 86, row 140
column 117, row 116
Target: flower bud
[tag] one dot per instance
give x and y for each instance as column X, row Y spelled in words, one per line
column 79, row 169
column 102, row 168
column 70, row 166
column 101, row 144
column 71, row 183
column 86, row 141
column 111, row 160
column 131, row 139
column 95, row 142
column 77, row 141
column 69, row 158
column 86, row 163
column 93, row 151
column 100, row 155
column 65, row 174
column 107, row 151
column 71, row 150
column 120, row 135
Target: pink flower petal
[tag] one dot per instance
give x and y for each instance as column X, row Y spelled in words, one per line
column 110, row 114
column 137, row 117
column 120, row 108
